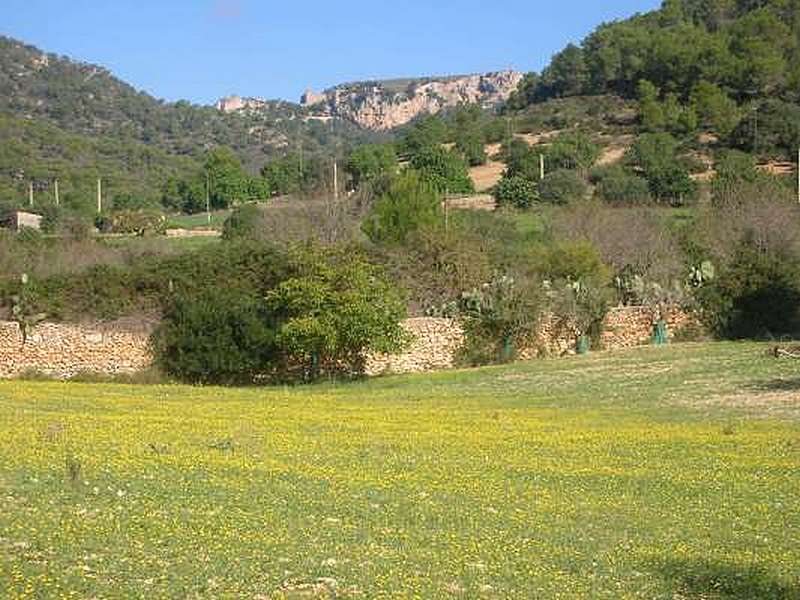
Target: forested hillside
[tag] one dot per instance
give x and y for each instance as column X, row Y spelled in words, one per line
column 731, row 67
column 76, row 122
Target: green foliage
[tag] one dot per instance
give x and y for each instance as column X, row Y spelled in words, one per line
column 618, row 186
column 243, row 223
column 579, row 283
column 756, row 296
column 336, row 308
column 409, row 203
column 228, row 183
column 574, row 262
column 446, row 171
column 216, row 337
column 497, row 317
column 733, row 170
column 149, row 282
column 572, row 150
column 294, row 173
column 651, row 113
column 772, row 128
column 715, row 109
column 522, row 160
column 424, row 133
column 691, row 63
column 562, row 186
column 370, row 162
column 468, row 134
column 656, row 156
column 670, row 115
column 671, row 182
column 516, row 191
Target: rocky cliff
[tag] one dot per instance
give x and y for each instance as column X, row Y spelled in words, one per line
column 382, row 105
column 385, row 105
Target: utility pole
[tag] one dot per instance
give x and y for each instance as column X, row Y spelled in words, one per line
column 30, row 194
column 99, row 196
column 335, row 180
column 208, row 198
column 541, row 167
column 446, row 212
column 55, row 190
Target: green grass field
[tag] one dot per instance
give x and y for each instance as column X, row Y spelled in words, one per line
column 655, row 473
column 199, row 220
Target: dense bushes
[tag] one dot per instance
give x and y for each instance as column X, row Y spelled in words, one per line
column 411, row 202
column 756, row 296
column 216, row 337
column 562, row 186
column 516, row 191
column 656, row 156
column 446, row 171
column 148, row 281
column 321, row 318
column 617, row 186
column 498, row 317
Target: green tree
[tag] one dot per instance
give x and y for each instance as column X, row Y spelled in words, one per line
column 562, row 186
column 651, row 113
column 334, row 310
column 572, row 150
column 370, row 162
column 228, row 183
column 516, row 191
column 714, row 109
column 446, row 171
column 409, row 203
column 216, row 337
column 656, row 156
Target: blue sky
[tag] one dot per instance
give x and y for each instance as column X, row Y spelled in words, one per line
column 203, row 49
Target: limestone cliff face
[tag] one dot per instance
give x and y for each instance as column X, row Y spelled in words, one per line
column 385, row 105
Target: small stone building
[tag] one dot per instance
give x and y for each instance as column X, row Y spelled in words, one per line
column 18, row 220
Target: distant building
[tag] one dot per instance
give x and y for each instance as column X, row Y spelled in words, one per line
column 18, row 220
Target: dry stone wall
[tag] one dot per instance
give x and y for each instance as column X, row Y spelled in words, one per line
column 64, row 350
column 433, row 347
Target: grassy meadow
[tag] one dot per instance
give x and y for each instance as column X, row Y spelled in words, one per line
column 655, row 473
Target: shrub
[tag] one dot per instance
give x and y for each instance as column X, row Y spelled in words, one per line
column 370, row 162
column 574, row 150
column 216, row 337
column 434, row 266
column 335, row 309
column 472, row 149
column 521, row 160
column 579, row 286
column 672, row 183
column 446, row 171
column 516, row 191
column 560, row 187
column 620, row 187
column 756, row 296
column 244, row 222
column 497, row 317
column 410, row 203
column 656, row 155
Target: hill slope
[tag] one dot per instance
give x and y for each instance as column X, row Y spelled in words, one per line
column 735, row 64
column 75, row 121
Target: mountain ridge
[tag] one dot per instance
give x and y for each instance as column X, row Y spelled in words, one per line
column 382, row 105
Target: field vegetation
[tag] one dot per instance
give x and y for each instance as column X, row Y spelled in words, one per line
column 657, row 473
